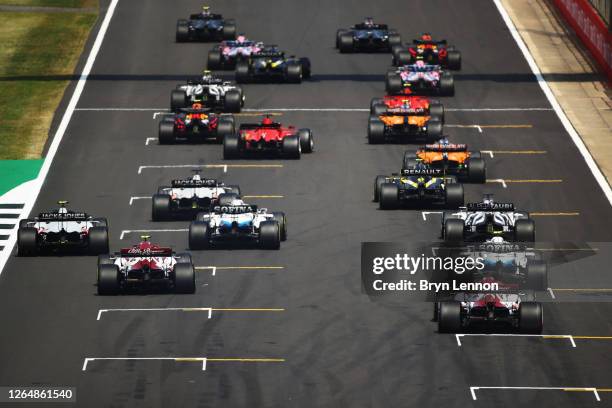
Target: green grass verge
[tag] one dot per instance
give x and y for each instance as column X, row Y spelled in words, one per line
column 35, row 47
column 50, row 3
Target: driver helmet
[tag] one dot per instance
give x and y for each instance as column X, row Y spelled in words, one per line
column 241, row 38
column 267, row 120
column 488, row 199
column 62, row 207
column 420, row 64
column 145, row 243
column 426, row 37
column 207, row 75
column 196, row 105
column 206, row 11
column 368, row 22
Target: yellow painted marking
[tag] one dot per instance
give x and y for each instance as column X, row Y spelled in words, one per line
column 578, row 389
column 249, row 310
column 505, row 126
column 552, row 336
column 248, row 360
column 517, row 151
column 263, row 196
column 554, row 214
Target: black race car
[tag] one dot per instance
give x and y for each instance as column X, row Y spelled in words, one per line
column 367, row 36
column 62, row 230
column 418, row 186
column 205, row 26
column 427, row 49
column 272, row 65
column 195, row 125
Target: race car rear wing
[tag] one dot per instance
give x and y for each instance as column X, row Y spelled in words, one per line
column 254, row 126
column 441, row 43
column 209, row 17
column 268, row 54
column 446, row 147
column 191, row 110
column 490, row 207
column 362, row 26
column 195, row 183
column 69, row 216
column 235, row 209
column 137, row 252
column 423, row 172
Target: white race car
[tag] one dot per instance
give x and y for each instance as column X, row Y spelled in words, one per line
column 238, row 221
column 212, row 92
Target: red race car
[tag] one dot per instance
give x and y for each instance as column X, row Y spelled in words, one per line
column 427, row 49
column 416, row 104
column 268, row 137
column 195, row 124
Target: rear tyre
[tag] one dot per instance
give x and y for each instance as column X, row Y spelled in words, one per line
column 306, row 71
column 436, row 110
column 182, row 31
column 26, row 241
column 166, row 132
column 178, row 100
column 375, row 106
column 453, row 230
column 449, row 317
column 477, row 171
column 291, row 147
column 229, row 31
column 231, row 147
column 410, row 159
column 454, row 60
column 454, row 196
column 199, row 235
column 524, row 230
column 293, row 74
column 395, row 40
column 403, row 58
column 269, row 235
column 242, row 72
column 108, row 279
column 232, row 102
column 281, row 219
column 214, row 60
column 346, row 43
column 537, row 275
column 393, row 83
column 447, row 84
column 184, row 278
column 160, row 207
column 306, row 140
column 434, row 129
column 376, row 131
column 531, row 318
column 225, row 127
column 98, row 241
column 389, row 196
column 378, row 182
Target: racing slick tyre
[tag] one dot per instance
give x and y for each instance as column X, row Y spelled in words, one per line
column 24, row 223
column 346, row 43
column 305, row 63
column 231, row 147
column 291, row 147
column 306, row 140
column 453, row 230
column 242, row 72
column 454, row 60
column 376, row 131
column 227, row 198
column 389, row 196
column 184, row 278
column 293, row 73
column 449, row 317
column 199, row 235
column 375, row 106
column 178, row 100
column 166, row 132
column 160, row 207
column 403, row 58
column 378, row 182
column 281, row 218
column 537, row 275
column 434, row 129
column 475, row 155
column 453, row 196
column 229, row 30
column 476, row 171
column 531, row 318
column 393, row 83
column 410, row 159
column 447, row 84
column 184, row 257
column 232, row 101
column 182, row 31
column 105, row 259
column 436, row 110
column 98, row 241
column 225, row 128
column 26, row 241
column 395, row 40
column 524, row 231
column 269, row 235
column 339, row 33
column 234, row 190
column 102, row 222
column 214, row 60
column 108, row 279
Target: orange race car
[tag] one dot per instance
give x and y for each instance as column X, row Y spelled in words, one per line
column 402, row 120
column 418, row 105
column 454, row 159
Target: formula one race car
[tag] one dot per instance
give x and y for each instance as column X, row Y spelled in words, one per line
column 237, row 222
column 468, row 308
column 205, row 26
column 226, row 54
column 454, row 159
column 420, row 78
column 145, row 265
column 268, row 137
column 487, row 219
column 210, row 91
column 62, row 230
column 367, row 36
column 428, row 50
column 414, row 104
column 271, row 65
column 187, row 197
column 195, row 125
column 510, row 262
column 418, row 186
column 402, row 122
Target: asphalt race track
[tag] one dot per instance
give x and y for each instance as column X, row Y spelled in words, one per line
column 330, row 345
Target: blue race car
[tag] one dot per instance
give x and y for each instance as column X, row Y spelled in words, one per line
column 272, row 65
column 205, row 26
column 367, row 37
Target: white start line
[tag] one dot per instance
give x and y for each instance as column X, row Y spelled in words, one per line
column 569, row 337
column 583, row 389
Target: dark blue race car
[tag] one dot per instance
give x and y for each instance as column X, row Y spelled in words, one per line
column 367, row 37
column 205, row 26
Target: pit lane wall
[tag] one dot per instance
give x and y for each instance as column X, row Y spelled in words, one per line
column 591, row 29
